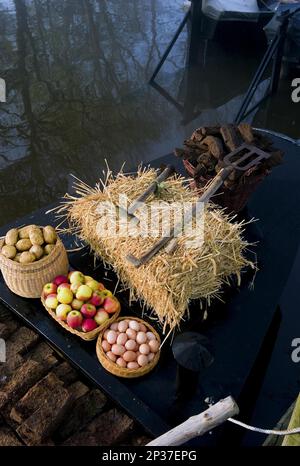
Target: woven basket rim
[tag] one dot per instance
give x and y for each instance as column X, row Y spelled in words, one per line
column 113, row 368
column 88, row 336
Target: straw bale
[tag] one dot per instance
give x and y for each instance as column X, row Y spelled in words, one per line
column 167, row 283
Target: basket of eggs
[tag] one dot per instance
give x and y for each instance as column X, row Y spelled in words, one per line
column 30, row 257
column 129, row 348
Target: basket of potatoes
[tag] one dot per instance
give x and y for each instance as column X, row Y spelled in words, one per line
column 30, row 257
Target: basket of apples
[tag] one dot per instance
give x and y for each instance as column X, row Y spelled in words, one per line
column 80, row 304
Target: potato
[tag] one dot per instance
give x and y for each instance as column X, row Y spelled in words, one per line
column 36, row 236
column 26, row 257
column 17, row 257
column 23, row 245
column 24, row 231
column 48, row 248
column 49, row 234
column 37, row 250
column 11, row 237
column 9, row 251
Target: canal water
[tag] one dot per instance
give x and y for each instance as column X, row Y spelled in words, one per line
column 78, row 98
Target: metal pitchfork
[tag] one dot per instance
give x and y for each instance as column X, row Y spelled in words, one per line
column 243, row 155
column 167, row 171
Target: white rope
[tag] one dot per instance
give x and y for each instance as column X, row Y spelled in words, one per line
column 265, row 431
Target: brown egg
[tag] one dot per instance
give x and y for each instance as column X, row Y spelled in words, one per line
column 129, row 356
column 130, row 345
column 144, row 349
column 141, row 338
column 142, row 360
column 122, row 338
column 106, row 346
column 122, row 326
column 121, row 362
column 151, row 356
column 134, row 325
column 131, row 333
column 114, row 326
column 154, row 346
column 150, row 336
column 111, row 356
column 111, row 337
column 143, row 328
column 118, row 350
column 132, row 365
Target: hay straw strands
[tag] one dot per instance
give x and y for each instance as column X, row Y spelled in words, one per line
column 168, row 282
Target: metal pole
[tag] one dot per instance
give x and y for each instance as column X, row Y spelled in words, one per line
column 278, row 56
column 275, row 51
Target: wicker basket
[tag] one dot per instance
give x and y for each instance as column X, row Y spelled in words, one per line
column 85, row 336
column 27, row 280
column 234, row 200
column 112, row 367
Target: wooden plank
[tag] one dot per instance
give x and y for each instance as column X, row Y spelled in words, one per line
column 21, row 341
column 46, row 418
column 8, row 328
column 97, row 433
column 231, row 136
column 36, row 396
column 8, row 438
column 25, row 377
column 78, row 390
column 66, row 373
column 246, row 132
